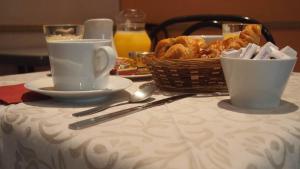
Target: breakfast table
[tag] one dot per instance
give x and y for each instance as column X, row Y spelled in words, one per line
column 192, row 133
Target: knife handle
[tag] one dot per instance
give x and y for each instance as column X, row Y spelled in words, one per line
column 96, row 109
column 90, row 111
column 103, row 118
column 110, row 116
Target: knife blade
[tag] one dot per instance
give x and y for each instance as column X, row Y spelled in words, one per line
column 110, row 116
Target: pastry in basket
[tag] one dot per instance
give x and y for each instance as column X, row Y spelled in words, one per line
column 184, row 47
column 251, row 34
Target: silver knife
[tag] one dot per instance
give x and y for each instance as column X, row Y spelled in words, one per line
column 110, row 116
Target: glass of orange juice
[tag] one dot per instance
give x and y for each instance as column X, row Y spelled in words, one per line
column 131, row 35
column 232, row 30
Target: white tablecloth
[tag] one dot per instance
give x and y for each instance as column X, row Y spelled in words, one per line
column 192, row 133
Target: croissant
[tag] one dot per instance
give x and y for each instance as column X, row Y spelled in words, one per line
column 163, row 46
column 177, row 51
column 184, row 47
column 251, row 34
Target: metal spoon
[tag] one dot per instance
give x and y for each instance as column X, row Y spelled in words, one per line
column 144, row 92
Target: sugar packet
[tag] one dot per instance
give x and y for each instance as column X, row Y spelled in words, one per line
column 268, row 51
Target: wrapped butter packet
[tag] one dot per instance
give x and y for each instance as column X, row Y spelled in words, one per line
column 250, row 51
column 232, row 53
column 265, row 51
column 268, row 51
column 289, row 51
column 275, row 53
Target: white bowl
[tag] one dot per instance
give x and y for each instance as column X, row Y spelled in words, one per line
column 256, row 83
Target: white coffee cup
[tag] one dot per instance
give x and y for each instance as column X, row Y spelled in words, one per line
column 81, row 64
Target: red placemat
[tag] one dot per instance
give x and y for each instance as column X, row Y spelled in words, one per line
column 14, row 94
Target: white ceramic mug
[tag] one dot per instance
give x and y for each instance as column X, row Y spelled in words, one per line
column 81, row 64
column 99, row 28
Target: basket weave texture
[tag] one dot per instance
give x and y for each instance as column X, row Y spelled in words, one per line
column 192, row 75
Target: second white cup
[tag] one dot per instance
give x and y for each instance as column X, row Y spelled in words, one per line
column 81, row 64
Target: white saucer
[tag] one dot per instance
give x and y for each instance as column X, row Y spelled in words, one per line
column 45, row 86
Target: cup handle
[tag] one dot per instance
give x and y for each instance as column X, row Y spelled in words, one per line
column 110, row 59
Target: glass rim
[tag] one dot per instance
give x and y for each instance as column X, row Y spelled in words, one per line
column 60, row 25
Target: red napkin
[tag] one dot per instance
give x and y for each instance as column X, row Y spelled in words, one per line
column 14, row 94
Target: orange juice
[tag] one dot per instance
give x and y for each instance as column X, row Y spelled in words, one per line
column 131, row 41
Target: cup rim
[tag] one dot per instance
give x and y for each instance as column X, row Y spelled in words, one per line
column 80, row 41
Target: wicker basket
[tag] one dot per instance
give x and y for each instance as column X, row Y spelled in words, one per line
column 193, row 75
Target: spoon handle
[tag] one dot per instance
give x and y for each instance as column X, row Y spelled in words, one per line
column 95, row 110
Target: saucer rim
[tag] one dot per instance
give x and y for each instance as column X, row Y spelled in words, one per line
column 33, row 87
